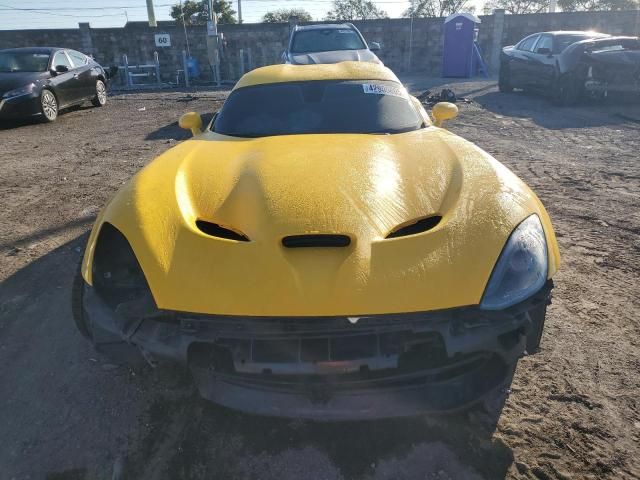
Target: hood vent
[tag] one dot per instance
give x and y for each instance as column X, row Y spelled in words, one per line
column 215, row 230
column 422, row 225
column 316, row 240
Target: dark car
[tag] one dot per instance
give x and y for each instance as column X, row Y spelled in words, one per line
column 329, row 43
column 42, row 81
column 570, row 65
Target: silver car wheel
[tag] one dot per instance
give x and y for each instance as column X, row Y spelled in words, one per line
column 49, row 105
column 101, row 92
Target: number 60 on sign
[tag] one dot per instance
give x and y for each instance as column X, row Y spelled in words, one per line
column 163, row 40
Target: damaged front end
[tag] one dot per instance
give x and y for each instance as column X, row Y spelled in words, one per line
column 328, row 368
column 612, row 66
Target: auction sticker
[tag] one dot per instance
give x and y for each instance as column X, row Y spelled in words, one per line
column 384, row 90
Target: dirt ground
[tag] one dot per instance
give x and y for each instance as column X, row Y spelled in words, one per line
column 67, row 413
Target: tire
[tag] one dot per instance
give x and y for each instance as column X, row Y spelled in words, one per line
column 566, row 91
column 100, row 98
column 504, row 79
column 48, row 106
column 76, row 303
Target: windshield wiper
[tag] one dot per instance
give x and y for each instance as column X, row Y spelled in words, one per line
column 242, row 135
column 395, row 130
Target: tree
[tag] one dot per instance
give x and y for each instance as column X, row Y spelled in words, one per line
column 282, row 15
column 196, row 12
column 350, row 10
column 437, row 8
column 597, row 5
column 519, row 6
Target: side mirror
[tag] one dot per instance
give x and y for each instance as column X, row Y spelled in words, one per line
column 544, row 51
column 191, row 121
column 374, row 46
column 61, row 69
column 444, row 111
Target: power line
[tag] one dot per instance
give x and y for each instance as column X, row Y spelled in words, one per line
column 50, row 9
column 79, row 16
column 256, row 10
column 74, row 9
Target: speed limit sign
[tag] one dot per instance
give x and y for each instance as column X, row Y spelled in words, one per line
column 163, row 40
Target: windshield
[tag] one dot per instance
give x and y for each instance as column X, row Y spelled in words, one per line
column 615, row 45
column 23, row 62
column 326, row 40
column 318, row 107
column 563, row 41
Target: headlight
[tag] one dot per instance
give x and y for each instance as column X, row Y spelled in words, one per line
column 20, row 91
column 521, row 269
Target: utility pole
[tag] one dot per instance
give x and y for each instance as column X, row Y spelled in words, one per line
column 151, row 14
column 552, row 6
column 184, row 27
column 213, row 45
column 239, row 11
column 410, row 42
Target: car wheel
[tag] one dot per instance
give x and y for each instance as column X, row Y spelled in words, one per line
column 100, row 97
column 48, row 105
column 565, row 91
column 76, row 303
column 504, row 79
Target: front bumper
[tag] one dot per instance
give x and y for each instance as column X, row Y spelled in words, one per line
column 613, row 79
column 329, row 368
column 21, row 106
column 601, row 86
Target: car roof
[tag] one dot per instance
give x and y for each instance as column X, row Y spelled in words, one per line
column 577, row 32
column 324, row 26
column 48, row 50
column 309, row 73
column 606, row 40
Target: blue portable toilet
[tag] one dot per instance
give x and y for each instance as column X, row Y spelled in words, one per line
column 460, row 32
column 193, row 67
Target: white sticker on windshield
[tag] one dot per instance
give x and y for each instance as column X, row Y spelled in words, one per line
column 384, row 90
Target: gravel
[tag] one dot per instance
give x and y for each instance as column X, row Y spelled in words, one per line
column 67, row 413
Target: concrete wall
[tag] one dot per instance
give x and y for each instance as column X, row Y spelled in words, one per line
column 407, row 45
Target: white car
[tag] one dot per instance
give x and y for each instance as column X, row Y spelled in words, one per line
column 329, row 43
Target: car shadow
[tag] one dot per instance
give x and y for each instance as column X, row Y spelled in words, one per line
column 216, row 442
column 10, row 124
column 587, row 113
column 172, row 131
column 151, row 423
column 18, row 122
column 188, row 91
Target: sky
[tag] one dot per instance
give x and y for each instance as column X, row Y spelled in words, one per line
column 37, row 14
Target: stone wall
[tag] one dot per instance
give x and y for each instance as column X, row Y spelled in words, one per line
column 407, row 46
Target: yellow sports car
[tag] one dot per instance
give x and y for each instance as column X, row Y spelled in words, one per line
column 323, row 249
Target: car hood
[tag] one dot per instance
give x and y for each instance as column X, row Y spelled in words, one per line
column 363, row 186
column 11, row 81
column 336, row 56
column 625, row 59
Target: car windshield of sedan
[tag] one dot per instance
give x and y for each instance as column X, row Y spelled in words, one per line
column 326, row 40
column 614, row 45
column 23, row 62
column 318, row 107
column 563, row 41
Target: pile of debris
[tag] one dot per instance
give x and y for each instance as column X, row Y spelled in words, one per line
column 445, row 95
